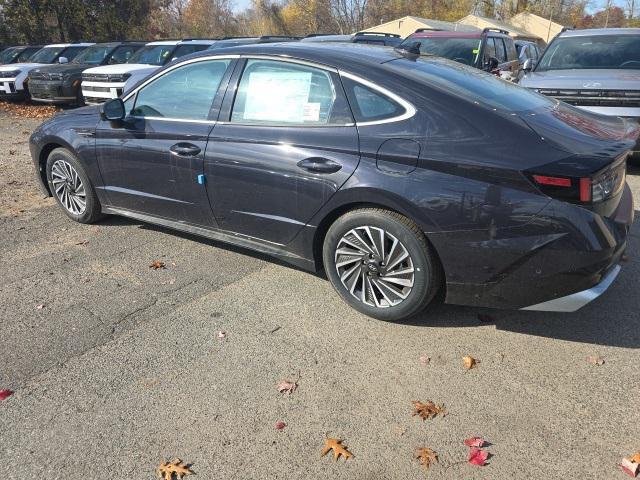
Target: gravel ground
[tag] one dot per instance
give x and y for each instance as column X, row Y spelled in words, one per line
column 122, row 366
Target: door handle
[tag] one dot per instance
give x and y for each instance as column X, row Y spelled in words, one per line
column 319, row 165
column 183, row 149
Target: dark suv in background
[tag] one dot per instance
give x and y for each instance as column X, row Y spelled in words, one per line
column 18, row 54
column 61, row 83
column 490, row 49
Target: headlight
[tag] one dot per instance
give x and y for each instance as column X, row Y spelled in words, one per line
column 119, row 78
column 10, row 74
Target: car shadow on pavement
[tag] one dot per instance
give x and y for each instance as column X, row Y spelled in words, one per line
column 611, row 320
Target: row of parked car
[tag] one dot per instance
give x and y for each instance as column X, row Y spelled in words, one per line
column 593, row 69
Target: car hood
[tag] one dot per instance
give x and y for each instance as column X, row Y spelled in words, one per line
column 596, row 138
column 120, row 68
column 583, row 79
column 63, row 68
column 20, row 66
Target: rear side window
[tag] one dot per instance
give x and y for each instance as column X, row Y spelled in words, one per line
column 489, row 49
column 501, row 55
column 277, row 93
column 185, row 93
column 370, row 105
column 512, row 54
column 122, row 54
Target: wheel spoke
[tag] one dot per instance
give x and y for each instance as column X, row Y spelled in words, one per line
column 68, row 187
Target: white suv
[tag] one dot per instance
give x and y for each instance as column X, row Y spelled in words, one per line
column 100, row 84
column 13, row 77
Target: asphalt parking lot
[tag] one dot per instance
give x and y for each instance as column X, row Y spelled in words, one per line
column 117, row 366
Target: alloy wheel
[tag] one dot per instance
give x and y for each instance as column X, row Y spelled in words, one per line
column 374, row 266
column 68, row 187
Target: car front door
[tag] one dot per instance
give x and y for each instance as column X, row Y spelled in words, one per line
column 152, row 161
column 287, row 144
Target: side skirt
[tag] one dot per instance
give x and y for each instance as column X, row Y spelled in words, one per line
column 275, row 250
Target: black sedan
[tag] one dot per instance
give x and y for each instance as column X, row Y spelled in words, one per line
column 401, row 175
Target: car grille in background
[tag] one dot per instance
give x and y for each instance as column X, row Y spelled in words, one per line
column 101, row 77
column 45, row 76
column 595, row 98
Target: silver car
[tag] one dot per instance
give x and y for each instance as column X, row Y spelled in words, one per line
column 597, row 70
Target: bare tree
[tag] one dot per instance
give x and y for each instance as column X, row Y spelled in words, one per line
column 349, row 14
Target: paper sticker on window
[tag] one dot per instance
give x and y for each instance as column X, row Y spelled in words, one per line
column 278, row 96
column 311, row 112
column 475, row 50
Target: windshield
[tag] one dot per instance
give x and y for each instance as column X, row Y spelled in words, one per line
column 463, row 50
column 7, row 56
column 47, row 54
column 152, row 54
column 93, row 55
column 474, row 85
column 597, row 52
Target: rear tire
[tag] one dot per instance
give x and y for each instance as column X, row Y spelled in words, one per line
column 381, row 263
column 71, row 187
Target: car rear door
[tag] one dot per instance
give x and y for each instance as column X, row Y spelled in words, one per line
column 152, row 161
column 285, row 143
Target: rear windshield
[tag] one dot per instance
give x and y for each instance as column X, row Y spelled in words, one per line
column 599, row 51
column 47, row 54
column 152, row 54
column 473, row 84
column 463, row 50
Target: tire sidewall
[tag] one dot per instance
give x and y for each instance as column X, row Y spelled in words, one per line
column 422, row 290
column 91, row 204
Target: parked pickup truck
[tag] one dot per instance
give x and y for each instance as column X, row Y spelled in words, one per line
column 60, row 84
column 13, row 78
column 99, row 84
column 596, row 70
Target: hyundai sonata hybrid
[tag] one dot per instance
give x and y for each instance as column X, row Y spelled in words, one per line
column 402, row 175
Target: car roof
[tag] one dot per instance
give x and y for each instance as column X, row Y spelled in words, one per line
column 197, row 41
column 590, row 32
column 445, row 33
column 338, row 55
column 164, row 42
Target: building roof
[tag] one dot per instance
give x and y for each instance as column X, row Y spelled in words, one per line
column 542, row 27
column 405, row 26
column 484, row 22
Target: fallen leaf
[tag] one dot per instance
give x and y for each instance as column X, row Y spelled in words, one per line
column 636, row 458
column 629, row 467
column 337, row 447
column 595, row 360
column 167, row 470
column 428, row 410
column 478, row 457
column 474, row 442
column 40, row 306
column 222, row 334
column 6, row 393
column 280, row 425
column 424, row 360
column 287, row 387
column 469, row 362
column 426, row 457
column 157, row 265
column 83, row 243
column 28, row 111
column 484, row 318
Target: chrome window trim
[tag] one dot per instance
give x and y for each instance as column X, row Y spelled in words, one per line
column 167, row 119
column 410, row 110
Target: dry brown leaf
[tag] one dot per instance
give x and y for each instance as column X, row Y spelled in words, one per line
column 28, row 111
column 635, row 458
column 157, row 265
column 166, row 470
column 428, row 410
column 426, row 457
column 469, row 362
column 337, row 447
column 595, row 360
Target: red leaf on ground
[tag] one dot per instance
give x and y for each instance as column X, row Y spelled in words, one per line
column 474, row 442
column 629, row 467
column 4, row 394
column 280, row 425
column 478, row 457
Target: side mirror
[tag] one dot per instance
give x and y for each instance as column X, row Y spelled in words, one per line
column 527, row 66
column 63, row 60
column 113, row 110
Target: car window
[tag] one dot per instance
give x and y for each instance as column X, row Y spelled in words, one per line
column 183, row 50
column 122, row 54
column 185, row 93
column 511, row 50
column 46, row 55
column 152, row 54
column 463, row 50
column 370, row 105
column 93, row 55
column 272, row 92
column 500, row 52
column 489, row 49
column 72, row 52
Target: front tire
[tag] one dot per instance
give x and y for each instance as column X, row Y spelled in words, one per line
column 71, row 187
column 381, row 264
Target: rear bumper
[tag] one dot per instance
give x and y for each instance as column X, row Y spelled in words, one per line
column 575, row 301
